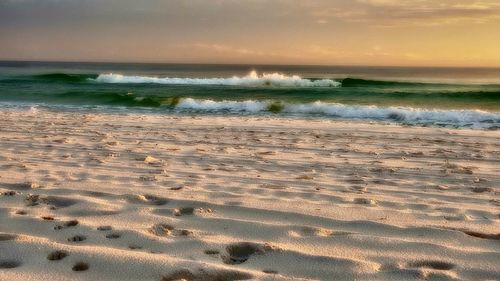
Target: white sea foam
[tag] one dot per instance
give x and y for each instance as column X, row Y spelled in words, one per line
column 231, row 106
column 252, row 79
column 34, row 109
column 408, row 114
column 401, row 114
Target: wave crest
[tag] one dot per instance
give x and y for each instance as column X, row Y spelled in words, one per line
column 252, row 79
column 231, row 106
column 407, row 114
column 65, row 77
column 473, row 118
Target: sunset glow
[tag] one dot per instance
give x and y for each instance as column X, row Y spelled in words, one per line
column 340, row 32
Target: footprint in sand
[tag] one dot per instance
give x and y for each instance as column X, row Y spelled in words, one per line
column 211, row 252
column 183, row 211
column 113, row 236
column 8, row 264
column 54, row 201
column 438, row 265
column 148, row 199
column 67, row 224
column 7, row 236
column 238, row 253
column 80, row 266
column 104, row 228
column 71, row 223
column 77, row 238
column 482, row 189
column 365, row 201
column 9, row 193
column 206, row 275
column 163, row 229
column 310, row 231
column 60, row 202
column 57, row 255
column 419, row 270
column 458, row 217
column 32, row 200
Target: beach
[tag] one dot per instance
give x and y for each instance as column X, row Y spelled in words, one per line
column 326, row 140
column 132, row 196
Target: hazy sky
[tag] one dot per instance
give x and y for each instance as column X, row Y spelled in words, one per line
column 361, row 32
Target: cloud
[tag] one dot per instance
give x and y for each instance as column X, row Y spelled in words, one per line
column 404, row 12
column 223, row 48
column 230, row 50
column 257, row 12
column 423, row 12
column 267, row 31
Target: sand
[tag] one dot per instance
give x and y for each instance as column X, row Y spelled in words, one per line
column 87, row 196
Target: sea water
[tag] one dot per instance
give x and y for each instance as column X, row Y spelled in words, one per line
column 453, row 97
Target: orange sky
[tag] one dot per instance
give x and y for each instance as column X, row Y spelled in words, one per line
column 347, row 32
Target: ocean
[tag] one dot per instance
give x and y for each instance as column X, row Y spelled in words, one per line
column 448, row 97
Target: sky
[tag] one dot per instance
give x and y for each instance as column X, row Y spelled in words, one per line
column 319, row 32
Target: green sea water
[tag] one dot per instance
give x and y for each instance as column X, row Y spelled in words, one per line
column 446, row 96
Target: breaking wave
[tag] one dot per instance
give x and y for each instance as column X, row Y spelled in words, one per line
column 252, row 79
column 65, row 77
column 472, row 118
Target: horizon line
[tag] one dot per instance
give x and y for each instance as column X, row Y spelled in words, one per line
column 244, row 64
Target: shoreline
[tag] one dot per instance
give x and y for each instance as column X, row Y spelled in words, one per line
column 248, row 197
column 396, row 114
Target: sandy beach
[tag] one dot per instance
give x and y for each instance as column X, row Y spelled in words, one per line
column 109, row 196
